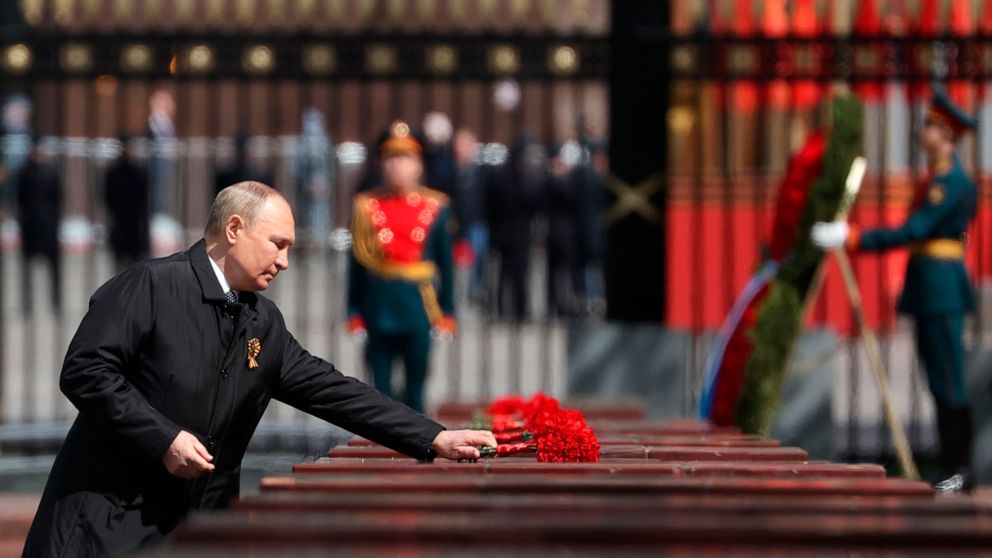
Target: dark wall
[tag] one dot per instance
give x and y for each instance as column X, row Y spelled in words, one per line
column 635, row 255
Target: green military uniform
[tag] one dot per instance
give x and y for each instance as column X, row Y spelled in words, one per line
column 938, row 292
column 400, row 281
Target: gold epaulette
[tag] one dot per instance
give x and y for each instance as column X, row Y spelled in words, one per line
column 939, row 248
column 943, row 166
column 431, row 193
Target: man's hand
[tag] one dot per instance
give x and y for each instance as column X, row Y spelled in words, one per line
column 830, row 236
column 462, row 444
column 186, row 457
column 356, row 329
column 445, row 328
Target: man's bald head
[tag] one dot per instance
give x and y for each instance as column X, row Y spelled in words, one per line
column 244, row 199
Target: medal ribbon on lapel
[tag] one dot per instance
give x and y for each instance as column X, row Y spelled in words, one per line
column 254, row 348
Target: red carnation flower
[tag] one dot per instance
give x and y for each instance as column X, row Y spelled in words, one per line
column 508, row 405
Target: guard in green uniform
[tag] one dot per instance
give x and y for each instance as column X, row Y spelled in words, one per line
column 400, row 281
column 937, row 291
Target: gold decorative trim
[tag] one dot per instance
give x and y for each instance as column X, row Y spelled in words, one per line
column 563, row 60
column 137, row 58
column 633, row 199
column 504, row 59
column 33, row 11
column 199, row 59
column 368, row 252
column 380, row 59
column 76, row 58
column 442, row 59
column 684, row 58
column 258, row 59
column 319, row 59
column 17, row 58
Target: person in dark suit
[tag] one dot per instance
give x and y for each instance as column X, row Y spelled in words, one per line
column 172, row 368
column 469, row 201
column 125, row 192
column 513, row 196
column 240, row 170
column 560, row 205
column 39, row 211
column 401, row 277
column 937, row 292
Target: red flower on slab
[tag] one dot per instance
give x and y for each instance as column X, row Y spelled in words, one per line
column 566, row 438
column 507, row 405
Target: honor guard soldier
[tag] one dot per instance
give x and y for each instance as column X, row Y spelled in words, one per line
column 937, row 291
column 400, row 282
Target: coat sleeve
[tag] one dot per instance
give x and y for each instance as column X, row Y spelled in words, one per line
column 99, row 360
column 917, row 228
column 315, row 386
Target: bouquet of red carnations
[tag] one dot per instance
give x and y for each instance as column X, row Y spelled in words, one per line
column 539, row 424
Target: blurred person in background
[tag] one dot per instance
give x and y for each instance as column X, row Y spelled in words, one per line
column 39, row 210
column 401, row 278
column 162, row 159
column 125, row 191
column 591, row 198
column 16, row 148
column 439, row 162
column 559, row 203
column 470, row 207
column 315, row 168
column 512, row 199
column 240, row 168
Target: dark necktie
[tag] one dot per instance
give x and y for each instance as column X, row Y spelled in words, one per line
column 232, row 296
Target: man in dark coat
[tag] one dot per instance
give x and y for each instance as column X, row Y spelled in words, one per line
column 126, row 194
column 39, row 210
column 172, row 368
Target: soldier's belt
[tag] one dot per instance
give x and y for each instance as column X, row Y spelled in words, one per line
column 406, row 271
column 941, row 248
column 416, row 272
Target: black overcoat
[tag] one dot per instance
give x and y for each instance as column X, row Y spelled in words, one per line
column 160, row 350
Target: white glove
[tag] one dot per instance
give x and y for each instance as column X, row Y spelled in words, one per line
column 359, row 336
column 830, row 236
